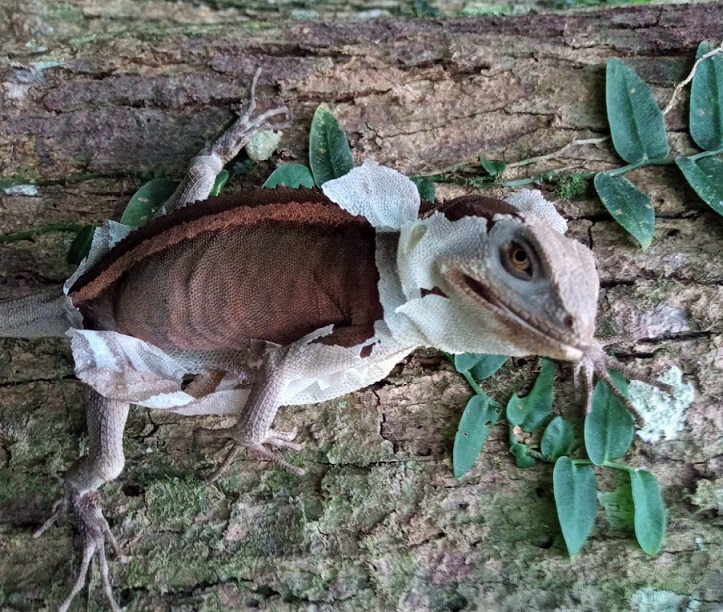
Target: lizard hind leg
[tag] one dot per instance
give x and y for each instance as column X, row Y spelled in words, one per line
column 94, row 530
column 104, row 462
column 279, row 439
column 204, row 168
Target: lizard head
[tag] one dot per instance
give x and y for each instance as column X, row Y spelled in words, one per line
column 504, row 281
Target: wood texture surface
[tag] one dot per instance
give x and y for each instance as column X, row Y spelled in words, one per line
column 378, row 522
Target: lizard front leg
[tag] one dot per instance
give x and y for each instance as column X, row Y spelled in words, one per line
column 103, row 463
column 310, row 370
column 204, row 168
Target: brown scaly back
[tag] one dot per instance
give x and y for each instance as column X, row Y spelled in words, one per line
column 271, row 265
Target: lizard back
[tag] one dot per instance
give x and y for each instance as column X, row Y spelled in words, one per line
column 270, row 265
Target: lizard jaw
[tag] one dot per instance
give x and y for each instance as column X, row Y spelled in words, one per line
column 556, row 342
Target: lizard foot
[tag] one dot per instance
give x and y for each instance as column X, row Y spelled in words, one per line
column 230, row 143
column 94, row 530
column 275, row 438
column 596, row 362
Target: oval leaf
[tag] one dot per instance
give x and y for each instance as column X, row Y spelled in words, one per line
column 636, row 121
column 145, row 202
column 493, row 167
column 557, row 439
column 479, row 365
column 629, row 207
column 479, row 416
column 329, row 152
column 425, row 187
column 530, row 412
column 80, row 246
column 649, row 511
column 220, row 182
column 706, row 101
column 576, row 501
column 291, row 175
column 523, row 459
column 609, row 426
column 705, row 176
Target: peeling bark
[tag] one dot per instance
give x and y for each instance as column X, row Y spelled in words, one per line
column 378, row 522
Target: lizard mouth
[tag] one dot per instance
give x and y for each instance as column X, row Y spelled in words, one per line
column 563, row 348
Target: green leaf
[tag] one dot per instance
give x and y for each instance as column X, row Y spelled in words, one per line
column 147, row 200
column 291, row 175
column 576, row 501
column 425, row 187
column 618, row 503
column 557, row 439
column 523, row 459
column 80, row 246
column 220, row 182
column 329, row 152
column 630, row 207
column 530, row 412
column 636, row 121
column 609, row 426
column 479, row 365
column 478, row 418
column 494, row 167
column 649, row 511
column 705, row 176
column 706, row 101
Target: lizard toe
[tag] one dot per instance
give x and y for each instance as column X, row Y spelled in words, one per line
column 94, row 530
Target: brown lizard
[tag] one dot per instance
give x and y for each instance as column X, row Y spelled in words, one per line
column 283, row 297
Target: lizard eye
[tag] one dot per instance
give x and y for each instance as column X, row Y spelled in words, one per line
column 517, row 260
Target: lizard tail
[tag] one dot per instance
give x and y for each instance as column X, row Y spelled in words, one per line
column 38, row 315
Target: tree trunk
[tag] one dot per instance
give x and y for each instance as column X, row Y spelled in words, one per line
column 378, row 521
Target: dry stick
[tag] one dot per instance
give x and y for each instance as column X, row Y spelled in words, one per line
column 689, row 78
column 554, row 154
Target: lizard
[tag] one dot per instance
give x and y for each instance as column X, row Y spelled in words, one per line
column 240, row 304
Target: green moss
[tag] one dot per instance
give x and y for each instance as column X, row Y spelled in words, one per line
column 571, row 186
column 357, row 500
column 171, row 563
column 394, row 575
column 175, row 503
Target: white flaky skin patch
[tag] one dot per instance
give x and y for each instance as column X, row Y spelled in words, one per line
column 532, row 201
column 386, row 198
column 122, row 367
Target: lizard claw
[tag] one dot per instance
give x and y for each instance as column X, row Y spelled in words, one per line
column 94, row 530
column 596, row 362
column 278, row 439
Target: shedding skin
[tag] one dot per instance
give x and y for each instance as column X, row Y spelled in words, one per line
column 106, row 417
column 476, row 275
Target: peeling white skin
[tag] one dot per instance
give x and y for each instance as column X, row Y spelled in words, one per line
column 386, row 198
column 123, row 367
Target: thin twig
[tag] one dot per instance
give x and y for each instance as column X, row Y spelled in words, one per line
column 689, row 78
column 554, row 154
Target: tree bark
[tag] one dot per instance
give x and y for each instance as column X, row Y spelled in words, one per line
column 378, row 522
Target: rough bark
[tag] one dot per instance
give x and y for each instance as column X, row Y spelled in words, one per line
column 378, row 522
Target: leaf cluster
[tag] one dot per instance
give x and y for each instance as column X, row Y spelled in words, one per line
column 329, row 158
column 637, row 128
column 608, row 434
